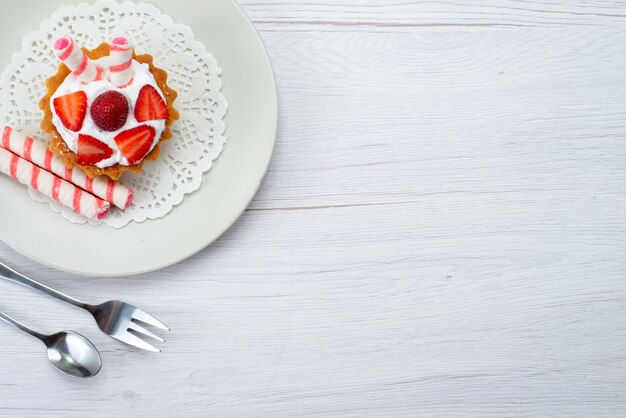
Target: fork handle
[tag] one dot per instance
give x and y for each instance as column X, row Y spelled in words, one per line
column 11, row 275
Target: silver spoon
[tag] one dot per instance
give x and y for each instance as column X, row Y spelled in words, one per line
column 68, row 351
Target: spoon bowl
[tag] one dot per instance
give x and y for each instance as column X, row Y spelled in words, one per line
column 73, row 354
column 68, row 351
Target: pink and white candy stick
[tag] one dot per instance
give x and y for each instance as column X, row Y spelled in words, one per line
column 40, row 155
column 76, row 60
column 121, row 64
column 52, row 186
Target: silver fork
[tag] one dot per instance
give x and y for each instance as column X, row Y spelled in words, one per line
column 115, row 318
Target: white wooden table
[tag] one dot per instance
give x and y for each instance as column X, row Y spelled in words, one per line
column 441, row 232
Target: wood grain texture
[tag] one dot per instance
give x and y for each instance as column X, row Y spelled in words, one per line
column 441, row 232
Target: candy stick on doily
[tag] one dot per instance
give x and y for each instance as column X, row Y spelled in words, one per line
column 121, row 64
column 52, row 186
column 76, row 60
column 40, row 155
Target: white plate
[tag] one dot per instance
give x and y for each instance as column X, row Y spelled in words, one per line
column 248, row 84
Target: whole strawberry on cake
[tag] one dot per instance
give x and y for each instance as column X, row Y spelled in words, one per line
column 107, row 110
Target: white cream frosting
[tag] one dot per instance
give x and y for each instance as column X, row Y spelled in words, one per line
column 142, row 76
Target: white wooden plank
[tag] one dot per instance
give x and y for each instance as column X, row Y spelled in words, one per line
column 394, row 15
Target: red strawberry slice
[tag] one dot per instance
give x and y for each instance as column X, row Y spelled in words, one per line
column 91, row 150
column 150, row 105
column 135, row 143
column 72, row 109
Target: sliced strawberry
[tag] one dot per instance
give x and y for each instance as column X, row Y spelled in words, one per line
column 91, row 150
column 72, row 109
column 150, row 105
column 135, row 143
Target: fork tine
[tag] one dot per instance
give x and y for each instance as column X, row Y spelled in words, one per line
column 145, row 317
column 130, row 339
column 138, row 328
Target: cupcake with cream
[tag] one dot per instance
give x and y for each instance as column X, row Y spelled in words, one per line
column 107, row 110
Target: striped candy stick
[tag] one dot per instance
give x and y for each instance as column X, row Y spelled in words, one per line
column 76, row 60
column 40, row 155
column 52, row 186
column 121, row 63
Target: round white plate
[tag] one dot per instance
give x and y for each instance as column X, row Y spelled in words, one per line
column 248, row 84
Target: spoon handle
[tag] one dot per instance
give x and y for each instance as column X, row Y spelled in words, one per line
column 6, row 318
column 11, row 275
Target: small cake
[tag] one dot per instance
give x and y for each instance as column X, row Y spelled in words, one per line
column 107, row 110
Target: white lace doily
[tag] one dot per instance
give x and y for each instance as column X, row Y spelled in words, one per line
column 198, row 134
